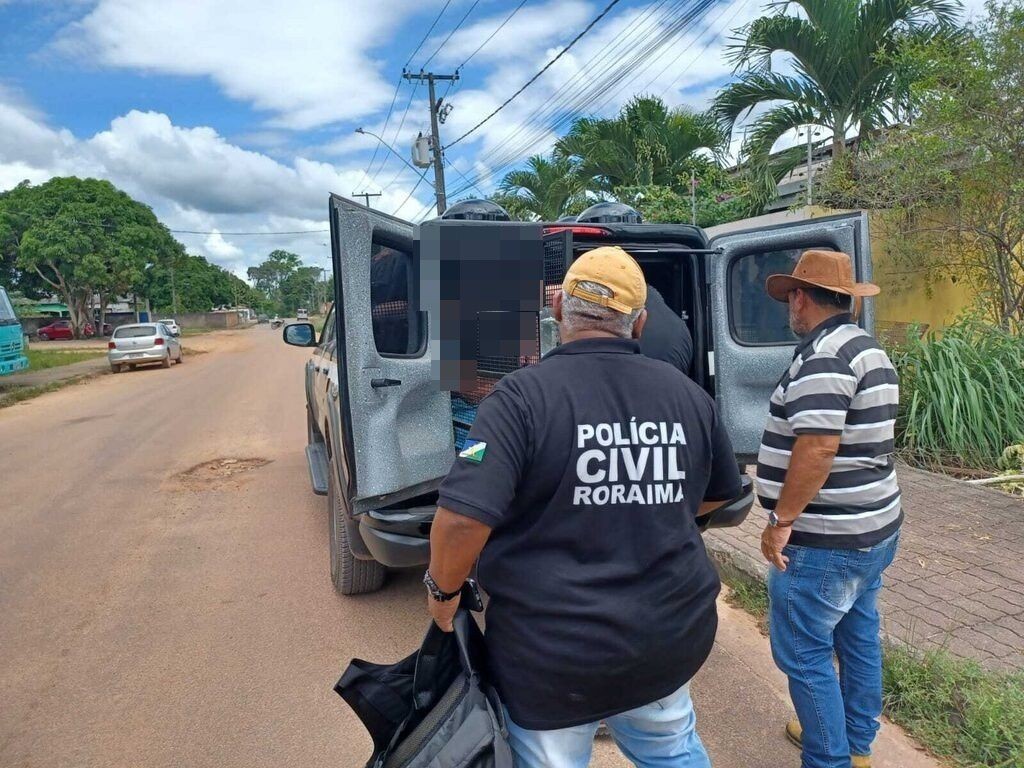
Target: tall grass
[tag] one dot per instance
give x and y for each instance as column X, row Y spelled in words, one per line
column 962, row 395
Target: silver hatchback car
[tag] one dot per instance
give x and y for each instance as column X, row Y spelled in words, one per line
column 143, row 343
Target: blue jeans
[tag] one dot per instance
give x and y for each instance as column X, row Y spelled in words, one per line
column 662, row 734
column 825, row 603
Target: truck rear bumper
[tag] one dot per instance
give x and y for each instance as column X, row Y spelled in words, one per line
column 398, row 538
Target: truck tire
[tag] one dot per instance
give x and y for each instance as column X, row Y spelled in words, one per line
column 350, row 575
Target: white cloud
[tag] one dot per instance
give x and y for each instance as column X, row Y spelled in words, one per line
column 197, row 180
column 306, row 63
column 220, row 248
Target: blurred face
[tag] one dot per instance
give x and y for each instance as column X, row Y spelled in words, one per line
column 798, row 302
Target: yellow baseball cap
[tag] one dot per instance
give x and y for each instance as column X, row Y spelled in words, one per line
column 617, row 271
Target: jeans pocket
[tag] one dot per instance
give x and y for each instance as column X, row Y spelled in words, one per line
column 836, row 588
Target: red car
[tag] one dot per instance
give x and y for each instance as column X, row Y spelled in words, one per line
column 61, row 329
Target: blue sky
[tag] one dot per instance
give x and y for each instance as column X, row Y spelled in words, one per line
column 238, row 115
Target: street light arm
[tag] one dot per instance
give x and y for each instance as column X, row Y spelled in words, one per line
column 392, row 150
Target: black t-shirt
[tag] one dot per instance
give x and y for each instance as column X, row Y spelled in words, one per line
column 665, row 335
column 590, row 466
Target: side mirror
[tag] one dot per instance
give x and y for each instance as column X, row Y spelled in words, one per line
column 299, row 335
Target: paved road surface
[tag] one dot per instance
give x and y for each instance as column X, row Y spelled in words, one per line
column 161, row 611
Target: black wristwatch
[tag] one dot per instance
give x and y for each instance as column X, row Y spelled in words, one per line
column 435, row 591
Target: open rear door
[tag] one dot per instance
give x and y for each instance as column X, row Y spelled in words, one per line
column 752, row 342
column 394, row 423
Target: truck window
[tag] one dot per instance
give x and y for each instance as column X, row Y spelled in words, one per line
column 755, row 317
column 7, row 316
column 393, row 302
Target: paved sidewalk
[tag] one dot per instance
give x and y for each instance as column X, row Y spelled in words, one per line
column 958, row 580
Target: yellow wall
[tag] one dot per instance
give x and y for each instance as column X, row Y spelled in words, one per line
column 906, row 296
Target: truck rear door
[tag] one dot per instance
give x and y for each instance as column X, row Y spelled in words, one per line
column 750, row 332
column 393, row 423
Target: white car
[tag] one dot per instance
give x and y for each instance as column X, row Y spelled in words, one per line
column 172, row 324
column 141, row 344
column 302, row 314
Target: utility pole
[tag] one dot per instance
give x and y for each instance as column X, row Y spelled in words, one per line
column 366, row 196
column 435, row 138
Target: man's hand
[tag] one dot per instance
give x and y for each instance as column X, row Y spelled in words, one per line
column 443, row 613
column 773, row 540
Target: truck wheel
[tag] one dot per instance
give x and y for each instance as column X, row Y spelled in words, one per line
column 350, row 576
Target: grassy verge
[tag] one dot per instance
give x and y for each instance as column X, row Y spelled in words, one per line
column 14, row 395
column 41, row 359
column 972, row 717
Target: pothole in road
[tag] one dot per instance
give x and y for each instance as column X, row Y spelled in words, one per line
column 217, row 470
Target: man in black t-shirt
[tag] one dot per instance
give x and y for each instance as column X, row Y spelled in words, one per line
column 666, row 336
column 578, row 488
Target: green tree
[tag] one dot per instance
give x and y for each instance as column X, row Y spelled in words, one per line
column 647, row 143
column 843, row 77
column 546, row 190
column 200, row 286
column 717, row 197
column 82, row 238
column 269, row 276
column 952, row 182
column 300, row 289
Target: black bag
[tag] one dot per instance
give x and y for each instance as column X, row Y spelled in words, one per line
column 431, row 708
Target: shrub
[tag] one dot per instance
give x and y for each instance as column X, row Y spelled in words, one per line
column 962, row 395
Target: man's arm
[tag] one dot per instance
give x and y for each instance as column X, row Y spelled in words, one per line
column 809, row 468
column 456, row 542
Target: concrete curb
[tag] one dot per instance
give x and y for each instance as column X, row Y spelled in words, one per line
column 733, row 564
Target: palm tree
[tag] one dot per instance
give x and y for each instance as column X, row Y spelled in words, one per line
column 546, row 190
column 844, row 75
column 647, row 143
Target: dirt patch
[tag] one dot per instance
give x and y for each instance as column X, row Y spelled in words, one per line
column 220, row 471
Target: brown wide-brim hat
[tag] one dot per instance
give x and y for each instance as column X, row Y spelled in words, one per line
column 831, row 270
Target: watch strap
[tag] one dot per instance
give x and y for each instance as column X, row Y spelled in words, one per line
column 436, row 592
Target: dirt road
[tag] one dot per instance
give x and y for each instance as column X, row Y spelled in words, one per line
column 164, row 587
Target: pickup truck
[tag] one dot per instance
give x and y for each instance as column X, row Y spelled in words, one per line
column 382, row 433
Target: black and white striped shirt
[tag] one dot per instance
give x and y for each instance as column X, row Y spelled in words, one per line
column 841, row 382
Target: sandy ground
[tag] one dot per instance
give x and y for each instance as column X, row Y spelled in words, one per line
column 165, row 591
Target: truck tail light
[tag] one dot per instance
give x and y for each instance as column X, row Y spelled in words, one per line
column 159, row 342
column 589, row 231
column 111, row 345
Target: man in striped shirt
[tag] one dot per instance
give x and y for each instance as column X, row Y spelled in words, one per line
column 825, row 474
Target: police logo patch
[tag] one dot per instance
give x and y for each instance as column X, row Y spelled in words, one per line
column 474, row 451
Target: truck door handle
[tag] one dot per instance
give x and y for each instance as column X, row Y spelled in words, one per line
column 378, row 383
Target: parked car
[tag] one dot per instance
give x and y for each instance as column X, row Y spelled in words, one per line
column 382, row 434
column 301, row 314
column 61, row 329
column 262, row 319
column 142, row 344
column 172, row 324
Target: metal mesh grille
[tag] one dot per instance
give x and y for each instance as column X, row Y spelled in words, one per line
column 555, row 264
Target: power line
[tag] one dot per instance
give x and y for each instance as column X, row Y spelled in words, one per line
column 491, row 36
column 109, row 225
column 671, row 24
column 602, row 85
column 452, row 32
column 412, row 191
column 579, row 98
column 387, row 119
column 437, row 19
column 544, row 69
